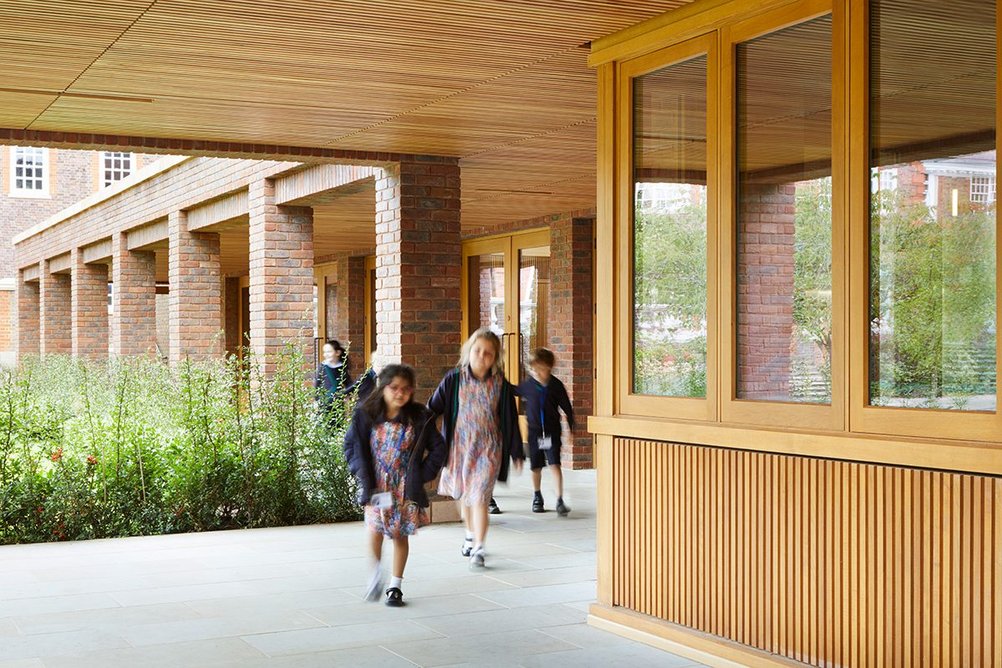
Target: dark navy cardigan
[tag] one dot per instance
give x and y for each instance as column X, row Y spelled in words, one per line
column 445, row 402
column 556, row 399
column 428, row 453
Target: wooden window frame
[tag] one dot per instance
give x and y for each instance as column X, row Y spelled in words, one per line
column 887, row 420
column 780, row 413
column 627, row 402
column 716, row 30
column 509, row 246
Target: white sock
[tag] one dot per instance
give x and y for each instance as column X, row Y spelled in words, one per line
column 469, row 538
column 395, row 582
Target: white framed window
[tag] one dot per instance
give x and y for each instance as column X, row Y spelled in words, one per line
column 983, row 189
column 115, row 166
column 29, row 171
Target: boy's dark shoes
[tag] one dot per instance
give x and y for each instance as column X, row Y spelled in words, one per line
column 537, row 503
column 493, row 507
column 562, row 509
column 394, row 597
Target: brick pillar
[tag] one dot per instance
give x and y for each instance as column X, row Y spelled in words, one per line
column 418, row 264
column 196, row 317
column 765, row 290
column 572, row 325
column 88, row 308
column 54, row 312
column 281, row 275
column 349, row 309
column 134, row 299
column 28, row 332
column 231, row 297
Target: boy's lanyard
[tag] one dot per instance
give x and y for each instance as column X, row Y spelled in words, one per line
column 542, row 407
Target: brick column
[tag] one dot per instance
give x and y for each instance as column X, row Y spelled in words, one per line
column 28, row 333
column 765, row 290
column 54, row 312
column 572, row 325
column 134, row 299
column 281, row 275
column 88, row 307
column 349, row 309
column 418, row 264
column 196, row 317
column 231, row 299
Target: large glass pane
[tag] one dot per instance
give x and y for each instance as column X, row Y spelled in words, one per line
column 669, row 231
column 533, row 299
column 932, row 204
column 486, row 292
column 784, row 215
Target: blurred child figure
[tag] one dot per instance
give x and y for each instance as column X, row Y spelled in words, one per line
column 544, row 397
column 332, row 375
column 393, row 448
column 480, row 425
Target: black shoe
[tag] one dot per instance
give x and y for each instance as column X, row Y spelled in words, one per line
column 562, row 509
column 394, row 597
column 537, row 503
column 493, row 507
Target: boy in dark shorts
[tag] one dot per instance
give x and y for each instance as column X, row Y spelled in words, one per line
column 544, row 397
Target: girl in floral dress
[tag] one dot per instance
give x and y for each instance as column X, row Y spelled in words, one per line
column 393, row 448
column 480, row 425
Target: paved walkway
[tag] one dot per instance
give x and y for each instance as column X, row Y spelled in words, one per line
column 292, row 597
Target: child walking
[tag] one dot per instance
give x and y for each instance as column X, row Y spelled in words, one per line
column 544, row 396
column 480, row 424
column 332, row 375
column 393, row 448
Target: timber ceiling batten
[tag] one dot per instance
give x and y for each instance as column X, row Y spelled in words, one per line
column 503, row 85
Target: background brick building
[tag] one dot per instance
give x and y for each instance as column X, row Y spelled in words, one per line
column 36, row 183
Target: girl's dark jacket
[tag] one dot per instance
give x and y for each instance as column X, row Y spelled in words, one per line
column 445, row 402
column 428, row 453
column 329, row 381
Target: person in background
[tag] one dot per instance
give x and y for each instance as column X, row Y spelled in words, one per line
column 544, row 397
column 332, row 375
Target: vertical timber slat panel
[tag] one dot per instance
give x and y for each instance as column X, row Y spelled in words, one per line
column 828, row 563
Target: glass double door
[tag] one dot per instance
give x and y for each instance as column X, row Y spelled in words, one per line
column 506, row 287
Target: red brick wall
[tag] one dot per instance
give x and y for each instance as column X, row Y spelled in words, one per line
column 571, row 325
column 88, row 308
column 232, row 314
column 27, row 305
column 281, row 275
column 195, row 292
column 7, row 320
column 192, row 182
column 54, row 309
column 765, row 290
column 418, row 264
column 349, row 308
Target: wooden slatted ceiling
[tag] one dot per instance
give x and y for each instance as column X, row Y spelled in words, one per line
column 469, row 79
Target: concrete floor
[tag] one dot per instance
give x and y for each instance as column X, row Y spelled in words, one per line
column 293, row 597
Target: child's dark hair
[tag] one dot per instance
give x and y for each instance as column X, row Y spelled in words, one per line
column 373, row 404
column 542, row 356
column 336, row 345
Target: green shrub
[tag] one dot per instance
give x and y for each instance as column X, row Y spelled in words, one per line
column 131, row 447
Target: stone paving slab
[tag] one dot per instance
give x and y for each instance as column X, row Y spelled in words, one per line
column 292, row 596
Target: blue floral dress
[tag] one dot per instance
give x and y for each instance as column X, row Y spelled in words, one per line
column 392, row 444
column 475, row 456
